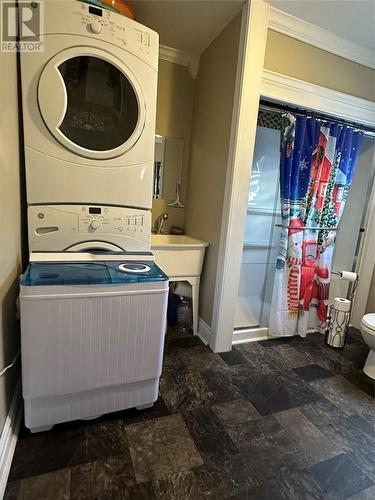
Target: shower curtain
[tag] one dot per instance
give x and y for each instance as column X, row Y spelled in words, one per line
column 317, row 163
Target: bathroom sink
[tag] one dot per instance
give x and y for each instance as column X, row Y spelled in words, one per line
column 178, row 255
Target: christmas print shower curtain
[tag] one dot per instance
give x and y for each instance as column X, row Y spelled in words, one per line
column 317, row 163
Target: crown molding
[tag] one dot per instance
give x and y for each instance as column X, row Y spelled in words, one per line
column 282, row 88
column 320, row 37
column 180, row 57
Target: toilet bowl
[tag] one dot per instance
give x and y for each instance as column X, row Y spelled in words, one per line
column 368, row 334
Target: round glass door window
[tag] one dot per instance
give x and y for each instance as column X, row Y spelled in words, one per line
column 102, row 108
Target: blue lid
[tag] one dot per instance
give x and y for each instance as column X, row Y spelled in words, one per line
column 87, row 273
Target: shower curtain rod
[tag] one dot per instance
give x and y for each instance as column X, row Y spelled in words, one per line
column 275, row 106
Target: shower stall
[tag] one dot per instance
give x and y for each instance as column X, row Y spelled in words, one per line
column 262, row 231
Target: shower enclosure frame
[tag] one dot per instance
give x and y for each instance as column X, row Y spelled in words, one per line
column 254, row 83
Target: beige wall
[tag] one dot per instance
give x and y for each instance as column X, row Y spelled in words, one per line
column 302, row 61
column 212, row 116
column 371, row 296
column 173, row 119
column 10, row 220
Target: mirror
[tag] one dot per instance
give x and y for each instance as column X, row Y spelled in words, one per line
column 169, row 152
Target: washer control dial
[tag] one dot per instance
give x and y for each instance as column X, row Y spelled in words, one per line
column 94, row 224
column 95, row 27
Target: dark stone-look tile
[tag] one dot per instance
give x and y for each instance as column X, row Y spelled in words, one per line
column 355, row 436
column 54, row 485
column 312, row 372
column 11, row 490
column 226, row 478
column 105, row 479
column 235, row 412
column 267, row 447
column 358, row 378
column 220, row 386
column 38, row 454
column 187, row 342
column 185, row 390
column 161, row 447
column 200, row 358
column 310, row 444
column 233, row 357
column 355, row 353
column 209, row 435
column 367, row 494
column 323, row 355
column 261, row 359
column 106, row 439
column 159, row 409
column 323, row 412
column 273, row 392
column 290, row 486
column 338, row 477
column 292, row 357
column 183, row 486
column 173, row 334
column 344, row 394
column 274, row 341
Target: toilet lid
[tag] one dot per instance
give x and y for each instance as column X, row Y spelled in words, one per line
column 369, row 321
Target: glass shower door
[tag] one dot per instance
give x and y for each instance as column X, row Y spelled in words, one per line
column 261, row 235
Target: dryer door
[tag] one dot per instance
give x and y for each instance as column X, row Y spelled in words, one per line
column 91, row 102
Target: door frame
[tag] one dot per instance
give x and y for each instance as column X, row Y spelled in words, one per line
column 252, row 84
column 252, row 47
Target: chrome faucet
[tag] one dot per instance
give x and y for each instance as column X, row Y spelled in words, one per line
column 159, row 223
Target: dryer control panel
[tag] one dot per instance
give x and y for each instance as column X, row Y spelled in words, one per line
column 58, row 227
column 69, row 17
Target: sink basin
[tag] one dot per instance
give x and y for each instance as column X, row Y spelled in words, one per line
column 181, row 258
column 178, row 255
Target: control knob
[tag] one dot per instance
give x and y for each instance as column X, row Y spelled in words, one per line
column 94, row 224
column 96, row 27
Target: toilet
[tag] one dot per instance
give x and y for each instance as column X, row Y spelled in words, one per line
column 368, row 334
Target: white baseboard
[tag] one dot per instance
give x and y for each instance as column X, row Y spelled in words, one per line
column 204, row 331
column 255, row 334
column 249, row 335
column 9, row 436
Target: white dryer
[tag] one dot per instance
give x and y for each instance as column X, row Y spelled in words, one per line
column 89, row 106
column 84, row 228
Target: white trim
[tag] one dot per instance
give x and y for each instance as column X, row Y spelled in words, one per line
column 322, row 38
column 366, row 260
column 9, row 435
column 253, row 39
column 204, row 331
column 282, row 88
column 244, row 335
column 180, row 57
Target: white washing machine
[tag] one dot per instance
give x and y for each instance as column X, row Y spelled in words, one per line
column 92, row 336
column 89, row 106
column 84, row 228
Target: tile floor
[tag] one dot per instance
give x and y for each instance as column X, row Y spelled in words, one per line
column 279, row 419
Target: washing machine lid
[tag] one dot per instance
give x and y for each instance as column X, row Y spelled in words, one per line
column 369, row 321
column 97, row 107
column 89, row 273
column 92, row 256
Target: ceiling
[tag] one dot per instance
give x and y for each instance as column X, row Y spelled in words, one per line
column 350, row 19
column 191, row 25
column 186, row 25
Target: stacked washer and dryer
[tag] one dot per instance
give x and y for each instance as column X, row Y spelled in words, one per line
column 93, row 303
